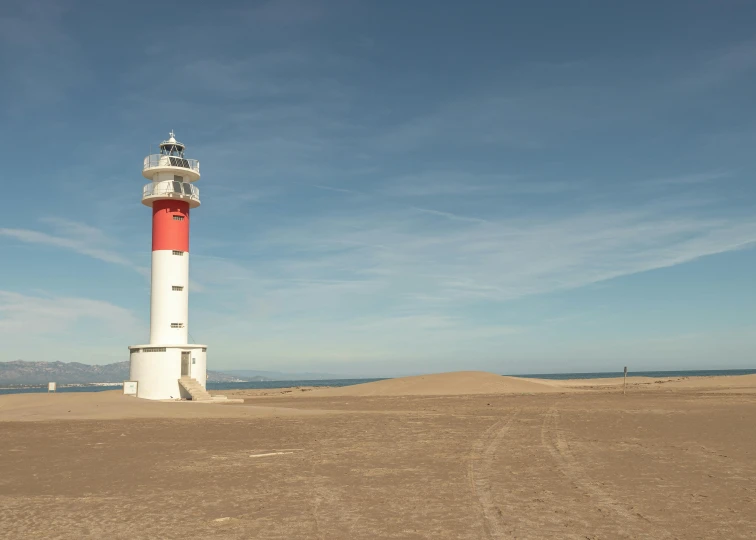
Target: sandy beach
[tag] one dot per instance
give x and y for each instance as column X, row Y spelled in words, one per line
column 458, row 455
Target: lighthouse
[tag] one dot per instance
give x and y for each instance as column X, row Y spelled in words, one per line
column 169, row 367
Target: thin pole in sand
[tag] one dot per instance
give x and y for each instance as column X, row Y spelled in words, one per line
column 624, row 385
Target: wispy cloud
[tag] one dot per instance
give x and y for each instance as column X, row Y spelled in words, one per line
column 434, row 183
column 337, row 190
column 459, row 328
column 362, row 202
column 491, row 121
column 76, row 237
column 55, row 315
column 691, row 178
column 467, row 183
column 509, row 258
column 377, row 279
column 450, row 215
column 720, row 67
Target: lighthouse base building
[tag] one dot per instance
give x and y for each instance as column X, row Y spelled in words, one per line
column 169, row 367
column 165, row 371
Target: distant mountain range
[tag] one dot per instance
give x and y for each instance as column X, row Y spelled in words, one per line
column 21, row 372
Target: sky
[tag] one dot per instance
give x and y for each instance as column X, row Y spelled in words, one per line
column 388, row 187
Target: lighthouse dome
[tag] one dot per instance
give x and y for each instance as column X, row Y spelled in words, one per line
column 172, row 147
column 170, row 162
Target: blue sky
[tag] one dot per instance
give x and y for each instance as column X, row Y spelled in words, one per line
column 388, row 187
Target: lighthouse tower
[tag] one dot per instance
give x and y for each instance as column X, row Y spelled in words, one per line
column 169, row 367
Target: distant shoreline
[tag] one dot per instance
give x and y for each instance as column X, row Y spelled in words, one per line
column 654, row 374
column 261, row 385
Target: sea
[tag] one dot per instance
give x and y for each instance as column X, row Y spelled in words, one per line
column 101, row 387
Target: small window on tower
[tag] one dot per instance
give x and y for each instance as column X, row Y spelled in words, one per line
column 179, row 253
column 178, row 218
column 177, row 325
column 178, row 288
column 178, row 178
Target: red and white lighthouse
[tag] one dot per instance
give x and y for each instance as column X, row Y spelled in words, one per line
column 169, row 366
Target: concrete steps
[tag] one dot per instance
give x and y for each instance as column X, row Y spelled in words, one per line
column 195, row 389
column 198, row 393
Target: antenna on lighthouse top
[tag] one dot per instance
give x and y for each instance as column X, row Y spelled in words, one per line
column 172, row 147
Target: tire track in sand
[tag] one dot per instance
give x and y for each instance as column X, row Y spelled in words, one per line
column 479, row 476
column 634, row 524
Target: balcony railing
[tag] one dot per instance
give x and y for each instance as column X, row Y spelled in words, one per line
column 181, row 190
column 159, row 160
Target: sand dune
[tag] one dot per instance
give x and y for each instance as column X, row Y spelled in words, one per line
column 443, row 384
column 481, row 382
column 113, row 405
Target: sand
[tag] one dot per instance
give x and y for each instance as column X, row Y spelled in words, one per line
column 113, row 405
column 714, row 383
column 424, row 457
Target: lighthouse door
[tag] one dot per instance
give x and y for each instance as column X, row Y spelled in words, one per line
column 186, row 362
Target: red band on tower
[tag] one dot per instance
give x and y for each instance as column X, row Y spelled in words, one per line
column 170, row 225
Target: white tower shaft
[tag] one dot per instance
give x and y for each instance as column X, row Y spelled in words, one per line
column 169, row 299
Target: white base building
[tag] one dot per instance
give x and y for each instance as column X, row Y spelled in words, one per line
column 158, row 368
